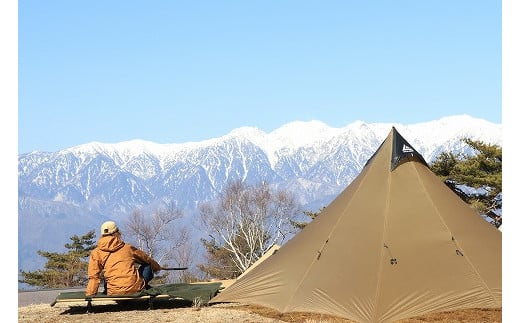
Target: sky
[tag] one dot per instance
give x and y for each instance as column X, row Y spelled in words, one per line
column 182, row 71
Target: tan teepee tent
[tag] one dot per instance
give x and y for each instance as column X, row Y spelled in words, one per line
column 396, row 243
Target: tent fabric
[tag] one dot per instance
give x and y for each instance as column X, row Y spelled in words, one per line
column 203, row 292
column 396, row 243
column 271, row 251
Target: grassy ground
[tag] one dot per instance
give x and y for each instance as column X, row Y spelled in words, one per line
column 472, row 315
column 172, row 311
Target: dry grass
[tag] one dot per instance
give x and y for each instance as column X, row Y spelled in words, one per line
column 470, row 315
column 483, row 315
column 178, row 311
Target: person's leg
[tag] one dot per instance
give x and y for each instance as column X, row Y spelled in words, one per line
column 145, row 271
column 104, row 283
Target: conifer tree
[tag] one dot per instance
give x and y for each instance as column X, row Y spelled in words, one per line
column 299, row 225
column 481, row 171
column 68, row 269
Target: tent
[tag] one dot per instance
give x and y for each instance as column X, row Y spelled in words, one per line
column 271, row 251
column 396, row 243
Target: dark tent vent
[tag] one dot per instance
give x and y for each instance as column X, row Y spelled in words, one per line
column 402, row 151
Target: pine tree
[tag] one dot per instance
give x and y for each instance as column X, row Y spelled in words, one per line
column 219, row 262
column 313, row 215
column 481, row 171
column 68, row 269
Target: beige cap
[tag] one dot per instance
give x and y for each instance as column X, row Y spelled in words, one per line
column 108, row 227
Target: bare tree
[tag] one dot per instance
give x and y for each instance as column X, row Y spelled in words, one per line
column 185, row 256
column 246, row 222
column 157, row 234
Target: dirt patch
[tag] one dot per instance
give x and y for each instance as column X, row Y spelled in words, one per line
column 466, row 316
column 136, row 312
column 168, row 311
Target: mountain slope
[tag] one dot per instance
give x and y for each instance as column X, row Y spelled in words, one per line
column 74, row 190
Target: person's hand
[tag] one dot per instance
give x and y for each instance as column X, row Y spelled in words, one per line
column 156, row 268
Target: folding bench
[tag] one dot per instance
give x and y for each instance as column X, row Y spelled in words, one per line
column 196, row 292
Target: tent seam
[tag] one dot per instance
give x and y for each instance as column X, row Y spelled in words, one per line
column 466, row 258
column 381, row 254
column 323, row 245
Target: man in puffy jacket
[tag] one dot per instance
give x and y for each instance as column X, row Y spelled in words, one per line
column 117, row 259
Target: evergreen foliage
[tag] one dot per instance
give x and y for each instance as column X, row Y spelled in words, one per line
column 68, row 269
column 219, row 262
column 313, row 215
column 481, row 171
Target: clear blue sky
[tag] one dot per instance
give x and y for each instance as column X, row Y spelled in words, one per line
column 178, row 71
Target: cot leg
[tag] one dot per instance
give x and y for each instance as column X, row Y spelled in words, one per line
column 150, row 302
column 89, row 306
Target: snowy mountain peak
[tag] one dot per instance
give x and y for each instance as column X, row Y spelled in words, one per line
column 296, row 134
column 77, row 188
column 302, row 133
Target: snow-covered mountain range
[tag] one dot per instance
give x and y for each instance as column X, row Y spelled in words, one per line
column 74, row 190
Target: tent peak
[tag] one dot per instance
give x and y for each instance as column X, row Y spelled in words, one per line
column 403, row 151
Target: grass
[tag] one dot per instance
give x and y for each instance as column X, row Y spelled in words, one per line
column 467, row 316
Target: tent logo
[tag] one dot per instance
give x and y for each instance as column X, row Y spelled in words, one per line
column 407, row 149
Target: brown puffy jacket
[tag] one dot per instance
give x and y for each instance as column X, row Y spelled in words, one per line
column 117, row 260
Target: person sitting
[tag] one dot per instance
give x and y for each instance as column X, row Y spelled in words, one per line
column 117, row 261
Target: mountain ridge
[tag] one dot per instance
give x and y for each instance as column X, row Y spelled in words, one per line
column 84, row 185
column 275, row 138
